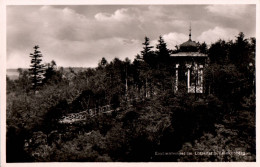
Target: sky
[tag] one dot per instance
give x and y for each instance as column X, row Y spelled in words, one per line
column 80, row 35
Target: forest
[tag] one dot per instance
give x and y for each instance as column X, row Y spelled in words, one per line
column 157, row 124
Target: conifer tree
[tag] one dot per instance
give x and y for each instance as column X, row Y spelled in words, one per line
column 103, row 62
column 146, row 53
column 163, row 53
column 36, row 68
column 203, row 48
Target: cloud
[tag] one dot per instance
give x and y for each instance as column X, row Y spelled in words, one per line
column 15, row 58
column 54, row 30
column 82, row 35
column 79, row 53
column 72, row 39
column 172, row 39
column 120, row 15
column 234, row 11
column 212, row 35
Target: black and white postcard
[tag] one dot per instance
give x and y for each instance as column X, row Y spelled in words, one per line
column 129, row 83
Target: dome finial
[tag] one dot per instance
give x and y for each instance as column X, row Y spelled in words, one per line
column 190, row 33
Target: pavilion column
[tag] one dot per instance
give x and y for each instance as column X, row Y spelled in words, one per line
column 201, row 76
column 188, row 79
column 188, row 66
column 176, row 77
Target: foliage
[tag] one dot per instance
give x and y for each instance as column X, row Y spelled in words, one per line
column 52, row 75
column 225, row 144
column 36, row 69
column 147, row 114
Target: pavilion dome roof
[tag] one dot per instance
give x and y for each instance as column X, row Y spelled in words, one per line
column 189, row 43
column 189, row 46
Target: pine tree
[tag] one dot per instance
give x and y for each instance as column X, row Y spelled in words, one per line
column 36, row 68
column 103, row 62
column 203, row 48
column 163, row 67
column 146, row 53
column 163, row 53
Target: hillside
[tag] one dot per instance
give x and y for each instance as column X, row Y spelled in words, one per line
column 149, row 120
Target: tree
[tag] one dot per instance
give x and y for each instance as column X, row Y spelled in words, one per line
column 145, row 66
column 103, row 62
column 240, row 52
column 36, row 70
column 51, row 74
column 146, row 53
column 23, row 81
column 219, row 52
column 10, row 85
column 162, row 73
column 203, row 48
column 163, row 53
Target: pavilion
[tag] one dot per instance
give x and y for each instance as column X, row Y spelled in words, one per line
column 189, row 66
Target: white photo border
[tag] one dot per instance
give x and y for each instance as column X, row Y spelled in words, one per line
column 3, row 46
